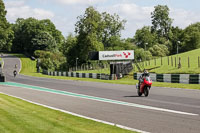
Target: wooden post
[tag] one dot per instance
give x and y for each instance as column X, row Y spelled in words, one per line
column 179, row 64
column 149, row 62
column 113, row 71
column 161, row 61
column 155, row 62
column 198, row 62
column 168, row 60
column 188, row 62
column 175, row 61
column 172, row 60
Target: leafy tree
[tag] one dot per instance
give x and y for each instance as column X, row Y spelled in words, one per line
column 159, row 50
column 112, row 26
column 28, row 30
column 161, row 21
column 118, row 44
column 87, row 44
column 175, row 39
column 89, row 32
column 141, row 54
column 6, row 33
column 191, row 37
column 95, row 32
column 144, row 36
column 69, row 43
column 44, row 41
column 49, row 27
column 51, row 61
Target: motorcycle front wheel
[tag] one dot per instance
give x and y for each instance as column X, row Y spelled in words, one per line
column 146, row 91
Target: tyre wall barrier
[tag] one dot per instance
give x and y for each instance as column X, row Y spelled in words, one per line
column 173, row 78
column 81, row 75
column 2, row 77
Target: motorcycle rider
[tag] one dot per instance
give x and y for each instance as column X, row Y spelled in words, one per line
column 14, row 73
column 15, row 66
column 141, row 78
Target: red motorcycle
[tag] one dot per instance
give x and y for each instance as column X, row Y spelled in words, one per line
column 144, row 86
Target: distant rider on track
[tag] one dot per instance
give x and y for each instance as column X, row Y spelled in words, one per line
column 15, row 71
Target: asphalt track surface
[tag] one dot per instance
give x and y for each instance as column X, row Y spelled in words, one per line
column 165, row 110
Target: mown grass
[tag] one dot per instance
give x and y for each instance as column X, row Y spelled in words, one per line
column 169, row 64
column 28, row 65
column 29, row 68
column 2, row 63
column 18, row 116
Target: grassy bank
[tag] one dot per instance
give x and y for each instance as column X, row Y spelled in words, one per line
column 189, row 61
column 28, row 65
column 18, row 116
column 2, row 63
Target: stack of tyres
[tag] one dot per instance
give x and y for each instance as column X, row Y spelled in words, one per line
column 2, row 77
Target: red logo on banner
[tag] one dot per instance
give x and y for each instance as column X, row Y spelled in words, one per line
column 126, row 54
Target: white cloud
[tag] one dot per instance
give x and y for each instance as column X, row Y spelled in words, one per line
column 73, row 2
column 136, row 16
column 184, row 18
column 139, row 16
column 18, row 9
column 15, row 3
column 66, row 25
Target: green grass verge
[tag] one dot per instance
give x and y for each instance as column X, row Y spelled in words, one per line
column 18, row 116
column 2, row 63
column 170, row 66
column 29, row 68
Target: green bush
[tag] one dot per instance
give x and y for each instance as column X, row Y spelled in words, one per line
column 50, row 61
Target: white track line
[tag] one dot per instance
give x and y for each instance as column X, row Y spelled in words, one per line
column 74, row 114
column 20, row 67
column 53, row 91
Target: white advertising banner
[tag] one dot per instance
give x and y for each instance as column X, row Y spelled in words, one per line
column 116, row 55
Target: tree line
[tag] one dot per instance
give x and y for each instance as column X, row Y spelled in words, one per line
column 94, row 31
column 162, row 39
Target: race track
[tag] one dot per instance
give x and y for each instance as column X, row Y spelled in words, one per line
column 166, row 110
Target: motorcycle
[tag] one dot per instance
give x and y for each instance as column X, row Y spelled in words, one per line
column 144, row 86
column 15, row 73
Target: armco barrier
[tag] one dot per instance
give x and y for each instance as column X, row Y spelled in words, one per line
column 81, row 75
column 173, row 78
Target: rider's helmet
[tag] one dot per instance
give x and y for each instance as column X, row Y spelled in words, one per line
column 146, row 73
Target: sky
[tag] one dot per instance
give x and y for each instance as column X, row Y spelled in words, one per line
column 137, row 13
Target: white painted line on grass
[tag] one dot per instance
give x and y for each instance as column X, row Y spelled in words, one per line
column 74, row 114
